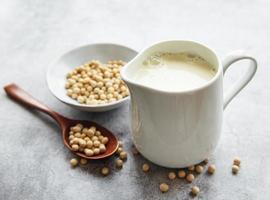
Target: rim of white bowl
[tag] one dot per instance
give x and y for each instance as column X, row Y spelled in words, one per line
column 74, row 102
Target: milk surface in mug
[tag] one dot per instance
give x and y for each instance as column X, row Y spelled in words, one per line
column 174, row 71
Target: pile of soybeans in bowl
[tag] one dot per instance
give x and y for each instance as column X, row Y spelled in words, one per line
column 96, row 83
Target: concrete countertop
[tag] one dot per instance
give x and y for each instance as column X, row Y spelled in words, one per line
column 35, row 164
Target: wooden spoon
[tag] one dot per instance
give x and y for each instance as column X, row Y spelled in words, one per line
column 22, row 97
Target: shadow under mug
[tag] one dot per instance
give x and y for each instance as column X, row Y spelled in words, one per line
column 179, row 129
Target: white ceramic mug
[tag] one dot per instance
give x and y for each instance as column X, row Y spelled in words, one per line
column 179, row 129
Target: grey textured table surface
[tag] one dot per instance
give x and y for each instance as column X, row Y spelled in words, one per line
column 35, row 164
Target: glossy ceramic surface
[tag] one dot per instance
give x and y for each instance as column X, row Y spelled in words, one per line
column 179, row 129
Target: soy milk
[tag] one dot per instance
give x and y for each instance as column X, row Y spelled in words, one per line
column 174, row 71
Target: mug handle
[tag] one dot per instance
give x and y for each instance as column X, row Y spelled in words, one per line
column 242, row 82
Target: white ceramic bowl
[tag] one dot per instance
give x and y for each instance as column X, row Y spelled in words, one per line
column 56, row 74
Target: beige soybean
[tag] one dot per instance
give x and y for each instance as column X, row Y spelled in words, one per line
column 123, row 155
column 105, row 171
column 145, row 167
column 88, row 152
column 77, row 128
column 71, row 137
column 72, row 141
column 190, row 178
column 235, row 169
column 102, row 148
column 104, row 140
column 119, row 150
column 82, row 143
column 181, row 174
column 96, row 151
column 164, row 187
column 89, row 144
column 75, row 147
column 119, row 163
column 96, row 143
column 93, row 128
column 211, row 169
column 77, row 135
column 90, row 133
column 195, row 190
column 94, row 138
column 98, row 133
column 171, row 175
column 237, row 161
column 100, row 137
column 199, row 169
column 71, row 132
column 73, row 162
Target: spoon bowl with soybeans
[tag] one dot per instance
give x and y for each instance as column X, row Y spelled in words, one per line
column 86, row 139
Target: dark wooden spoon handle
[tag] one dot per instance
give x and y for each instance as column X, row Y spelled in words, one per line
column 22, row 97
